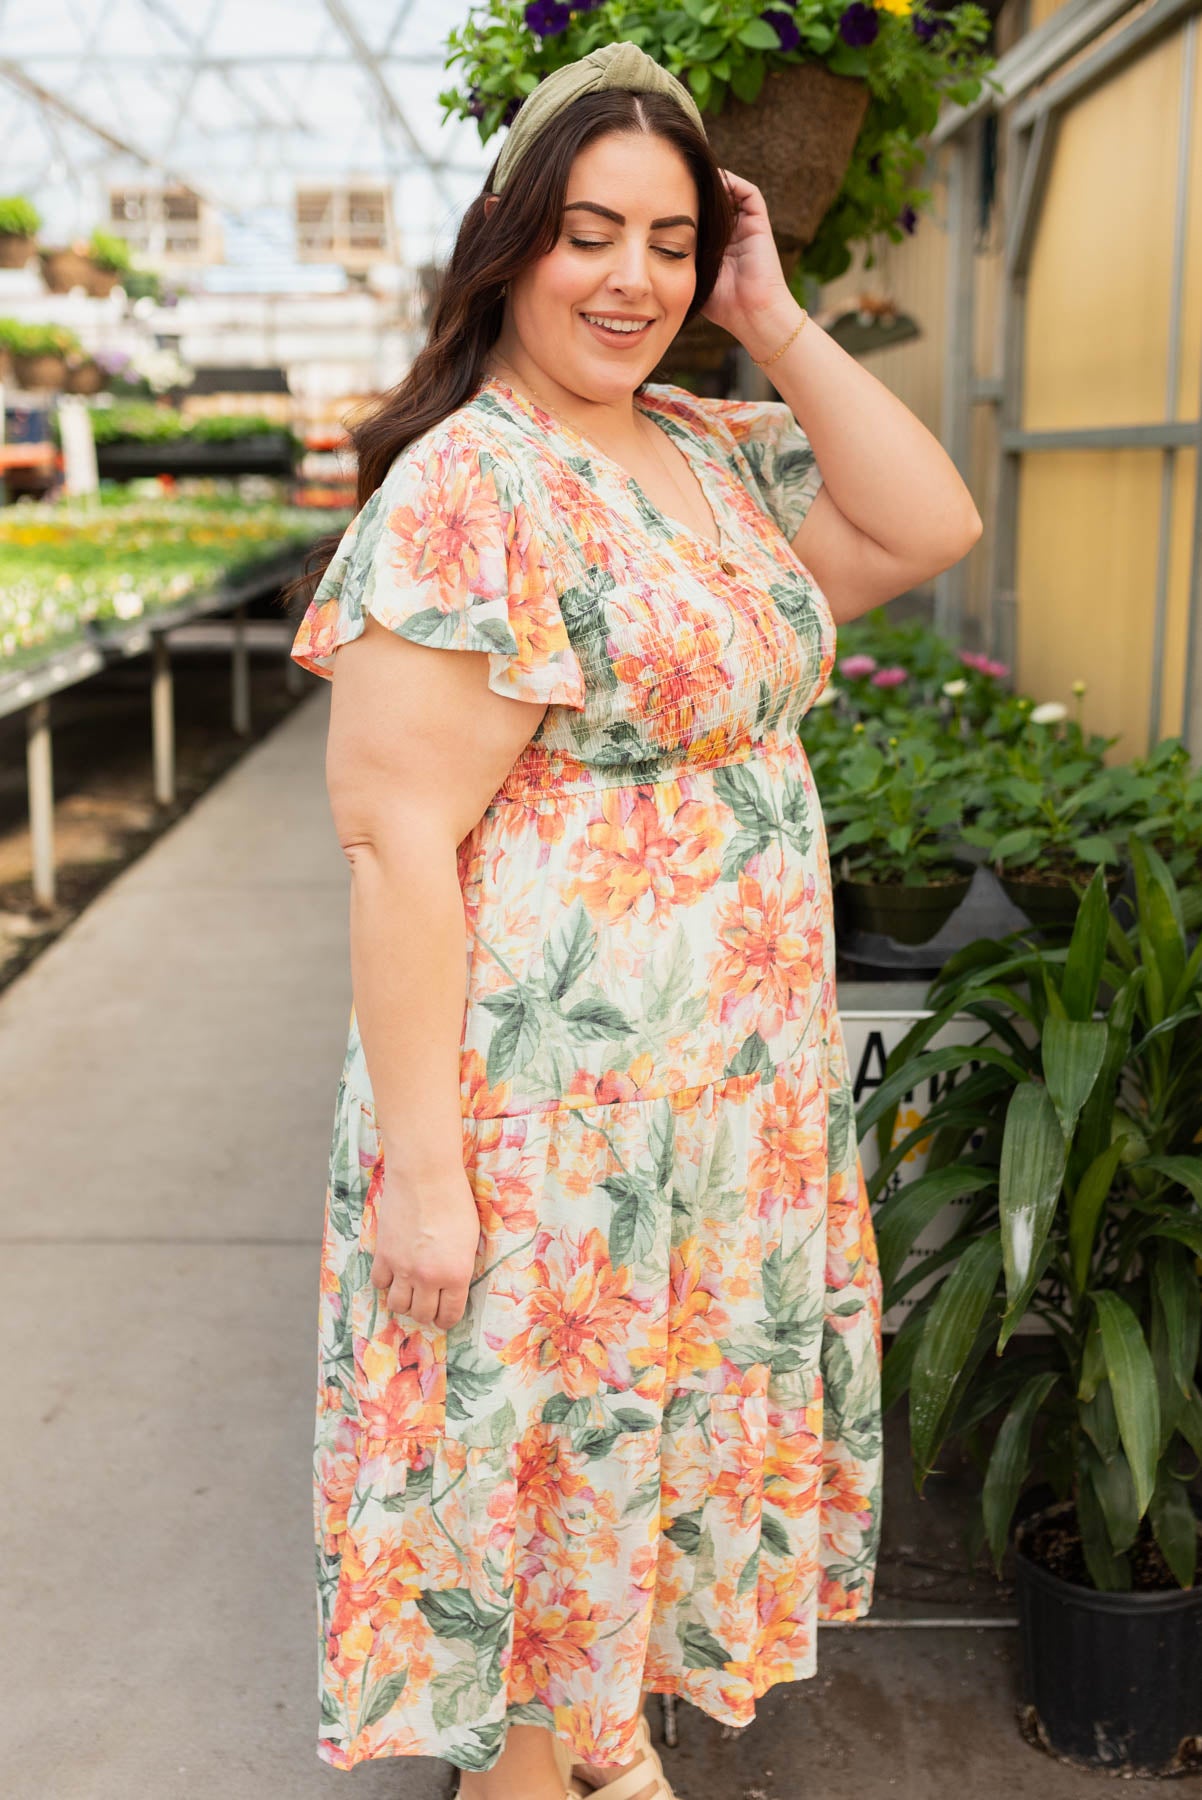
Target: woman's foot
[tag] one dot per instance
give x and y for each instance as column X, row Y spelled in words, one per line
column 525, row 1770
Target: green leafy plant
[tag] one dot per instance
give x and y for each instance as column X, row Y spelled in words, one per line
column 1165, row 790
column 109, row 252
column 1051, row 805
column 19, row 217
column 1072, row 1147
column 898, row 810
column 911, row 57
column 134, row 422
column 21, row 338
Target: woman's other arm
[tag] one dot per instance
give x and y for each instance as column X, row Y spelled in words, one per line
column 418, row 746
column 892, row 511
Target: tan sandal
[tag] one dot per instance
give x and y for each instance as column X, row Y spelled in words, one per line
column 632, row 1781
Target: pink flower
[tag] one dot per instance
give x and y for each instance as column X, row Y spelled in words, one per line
column 999, row 670
column 890, row 678
column 855, row 666
column 972, row 659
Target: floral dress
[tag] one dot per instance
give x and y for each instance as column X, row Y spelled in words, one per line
column 648, row 1456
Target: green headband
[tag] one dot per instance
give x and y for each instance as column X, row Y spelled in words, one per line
column 618, row 65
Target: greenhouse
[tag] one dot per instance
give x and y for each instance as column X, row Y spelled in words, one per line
column 766, row 637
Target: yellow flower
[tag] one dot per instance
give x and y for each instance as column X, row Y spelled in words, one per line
column 903, row 8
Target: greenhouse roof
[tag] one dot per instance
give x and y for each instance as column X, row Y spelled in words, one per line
column 241, row 100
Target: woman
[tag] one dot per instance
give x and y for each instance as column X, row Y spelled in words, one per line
column 598, row 1405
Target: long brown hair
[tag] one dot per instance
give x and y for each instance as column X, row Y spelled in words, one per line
column 491, row 250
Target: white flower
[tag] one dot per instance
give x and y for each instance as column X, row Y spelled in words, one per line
column 828, row 694
column 127, row 604
column 1050, row 713
column 954, row 689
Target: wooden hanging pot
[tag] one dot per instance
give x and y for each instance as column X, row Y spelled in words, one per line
column 795, row 142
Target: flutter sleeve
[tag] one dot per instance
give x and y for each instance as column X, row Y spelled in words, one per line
column 771, row 453
column 450, row 551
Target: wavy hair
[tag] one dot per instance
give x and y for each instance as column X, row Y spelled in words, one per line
column 491, row 250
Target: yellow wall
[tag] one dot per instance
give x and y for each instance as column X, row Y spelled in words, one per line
column 1097, row 345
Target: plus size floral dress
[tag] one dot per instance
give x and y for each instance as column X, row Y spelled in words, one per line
column 649, row 1454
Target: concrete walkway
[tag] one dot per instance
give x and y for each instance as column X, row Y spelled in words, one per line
column 167, row 1081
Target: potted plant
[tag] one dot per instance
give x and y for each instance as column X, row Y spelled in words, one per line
column 20, row 222
column 822, row 105
column 110, row 262
column 893, row 832
column 1054, row 810
column 38, row 352
column 1071, row 1146
column 66, row 267
column 1167, row 790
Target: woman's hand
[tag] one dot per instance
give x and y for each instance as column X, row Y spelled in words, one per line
column 427, row 1235
column 751, row 297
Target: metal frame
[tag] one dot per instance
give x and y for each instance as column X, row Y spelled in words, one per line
column 1030, row 129
column 30, row 690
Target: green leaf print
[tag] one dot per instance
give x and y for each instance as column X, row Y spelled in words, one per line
column 685, row 1532
column 644, row 1499
column 667, row 989
column 741, row 846
column 702, row 1649
column 840, row 1121
column 556, row 1409
column 795, row 603
column 572, row 947
column 795, row 814
column 773, row 1533
column 632, row 1227
column 597, row 1018
column 382, row 1698
column 751, row 1058
column 750, row 1574
column 689, row 1406
column 454, row 1613
column 738, row 788
column 470, row 1377
column 516, row 1038
column 457, row 1694
column 585, row 616
column 494, row 1429
column 663, row 1143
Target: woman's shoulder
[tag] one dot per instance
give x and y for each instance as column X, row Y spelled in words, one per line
column 469, row 447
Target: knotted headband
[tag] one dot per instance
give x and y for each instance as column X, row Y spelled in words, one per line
column 618, row 65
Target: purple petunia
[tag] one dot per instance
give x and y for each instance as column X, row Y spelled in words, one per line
column 784, row 26
column 547, row 18
column 859, row 25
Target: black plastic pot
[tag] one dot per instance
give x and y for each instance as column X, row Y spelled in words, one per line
column 1110, row 1681
column 1053, row 903
column 264, row 453
column 908, row 915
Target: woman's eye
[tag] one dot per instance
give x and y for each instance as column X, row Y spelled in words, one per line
column 600, row 244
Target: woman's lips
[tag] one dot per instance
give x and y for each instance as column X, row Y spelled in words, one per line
column 605, row 336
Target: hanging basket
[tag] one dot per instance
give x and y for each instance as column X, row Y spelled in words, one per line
column 795, row 143
column 63, row 270
column 85, row 377
column 15, row 250
column 43, row 370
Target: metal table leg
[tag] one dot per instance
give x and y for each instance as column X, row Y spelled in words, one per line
column 39, row 767
column 162, row 719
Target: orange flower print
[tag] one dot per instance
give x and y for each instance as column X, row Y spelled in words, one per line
column 771, row 957
column 450, row 538
column 677, row 680
column 580, row 1316
column 697, row 1321
column 791, row 1153
column 553, row 1640
column 632, row 863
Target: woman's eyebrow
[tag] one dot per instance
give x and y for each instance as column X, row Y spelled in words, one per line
column 607, row 212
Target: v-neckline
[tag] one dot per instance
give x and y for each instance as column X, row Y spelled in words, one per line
column 676, row 528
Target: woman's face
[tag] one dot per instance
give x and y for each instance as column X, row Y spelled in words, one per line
column 626, row 252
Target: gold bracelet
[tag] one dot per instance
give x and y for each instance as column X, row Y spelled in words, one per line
column 771, row 359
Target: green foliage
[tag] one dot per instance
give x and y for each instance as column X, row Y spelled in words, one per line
column 19, row 217
column 724, row 47
column 1074, row 1152
column 20, row 338
column 109, row 251
column 137, row 422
